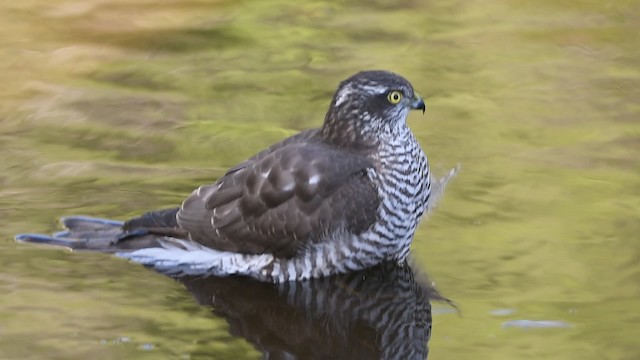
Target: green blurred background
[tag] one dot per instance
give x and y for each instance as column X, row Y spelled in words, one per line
column 113, row 107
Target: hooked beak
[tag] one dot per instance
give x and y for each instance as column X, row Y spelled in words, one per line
column 418, row 103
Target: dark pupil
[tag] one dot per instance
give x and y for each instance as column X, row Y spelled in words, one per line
column 396, row 96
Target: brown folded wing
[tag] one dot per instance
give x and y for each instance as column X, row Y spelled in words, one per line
column 281, row 199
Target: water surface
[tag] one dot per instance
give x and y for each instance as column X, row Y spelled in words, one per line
column 114, row 107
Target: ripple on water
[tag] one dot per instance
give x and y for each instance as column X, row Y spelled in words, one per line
column 536, row 324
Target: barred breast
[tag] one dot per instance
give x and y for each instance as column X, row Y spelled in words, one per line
column 404, row 184
column 403, row 181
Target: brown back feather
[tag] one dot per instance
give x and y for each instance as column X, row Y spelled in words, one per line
column 292, row 193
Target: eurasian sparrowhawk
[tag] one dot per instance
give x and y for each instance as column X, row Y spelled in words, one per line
column 340, row 198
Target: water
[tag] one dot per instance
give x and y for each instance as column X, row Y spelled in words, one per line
column 111, row 108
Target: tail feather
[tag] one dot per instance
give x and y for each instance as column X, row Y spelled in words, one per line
column 56, row 239
column 85, row 233
column 81, row 222
column 168, row 255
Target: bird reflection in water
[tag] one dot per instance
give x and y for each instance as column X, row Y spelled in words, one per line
column 378, row 313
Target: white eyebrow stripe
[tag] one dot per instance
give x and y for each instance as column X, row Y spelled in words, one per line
column 343, row 94
column 374, row 89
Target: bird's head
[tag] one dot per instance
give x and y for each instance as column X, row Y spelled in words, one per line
column 368, row 107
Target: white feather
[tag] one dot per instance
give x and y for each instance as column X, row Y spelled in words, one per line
column 188, row 258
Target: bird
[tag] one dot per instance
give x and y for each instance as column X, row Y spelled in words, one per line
column 340, row 198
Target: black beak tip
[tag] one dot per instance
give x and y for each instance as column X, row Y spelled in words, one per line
column 420, row 105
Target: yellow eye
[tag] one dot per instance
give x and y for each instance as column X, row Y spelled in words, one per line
column 394, row 97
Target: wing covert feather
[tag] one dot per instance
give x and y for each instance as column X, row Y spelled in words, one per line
column 281, row 199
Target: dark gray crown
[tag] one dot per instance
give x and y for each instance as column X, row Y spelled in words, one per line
column 360, row 109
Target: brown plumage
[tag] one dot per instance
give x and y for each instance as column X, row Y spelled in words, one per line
column 287, row 195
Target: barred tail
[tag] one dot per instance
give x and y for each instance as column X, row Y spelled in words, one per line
column 168, row 255
column 85, row 233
